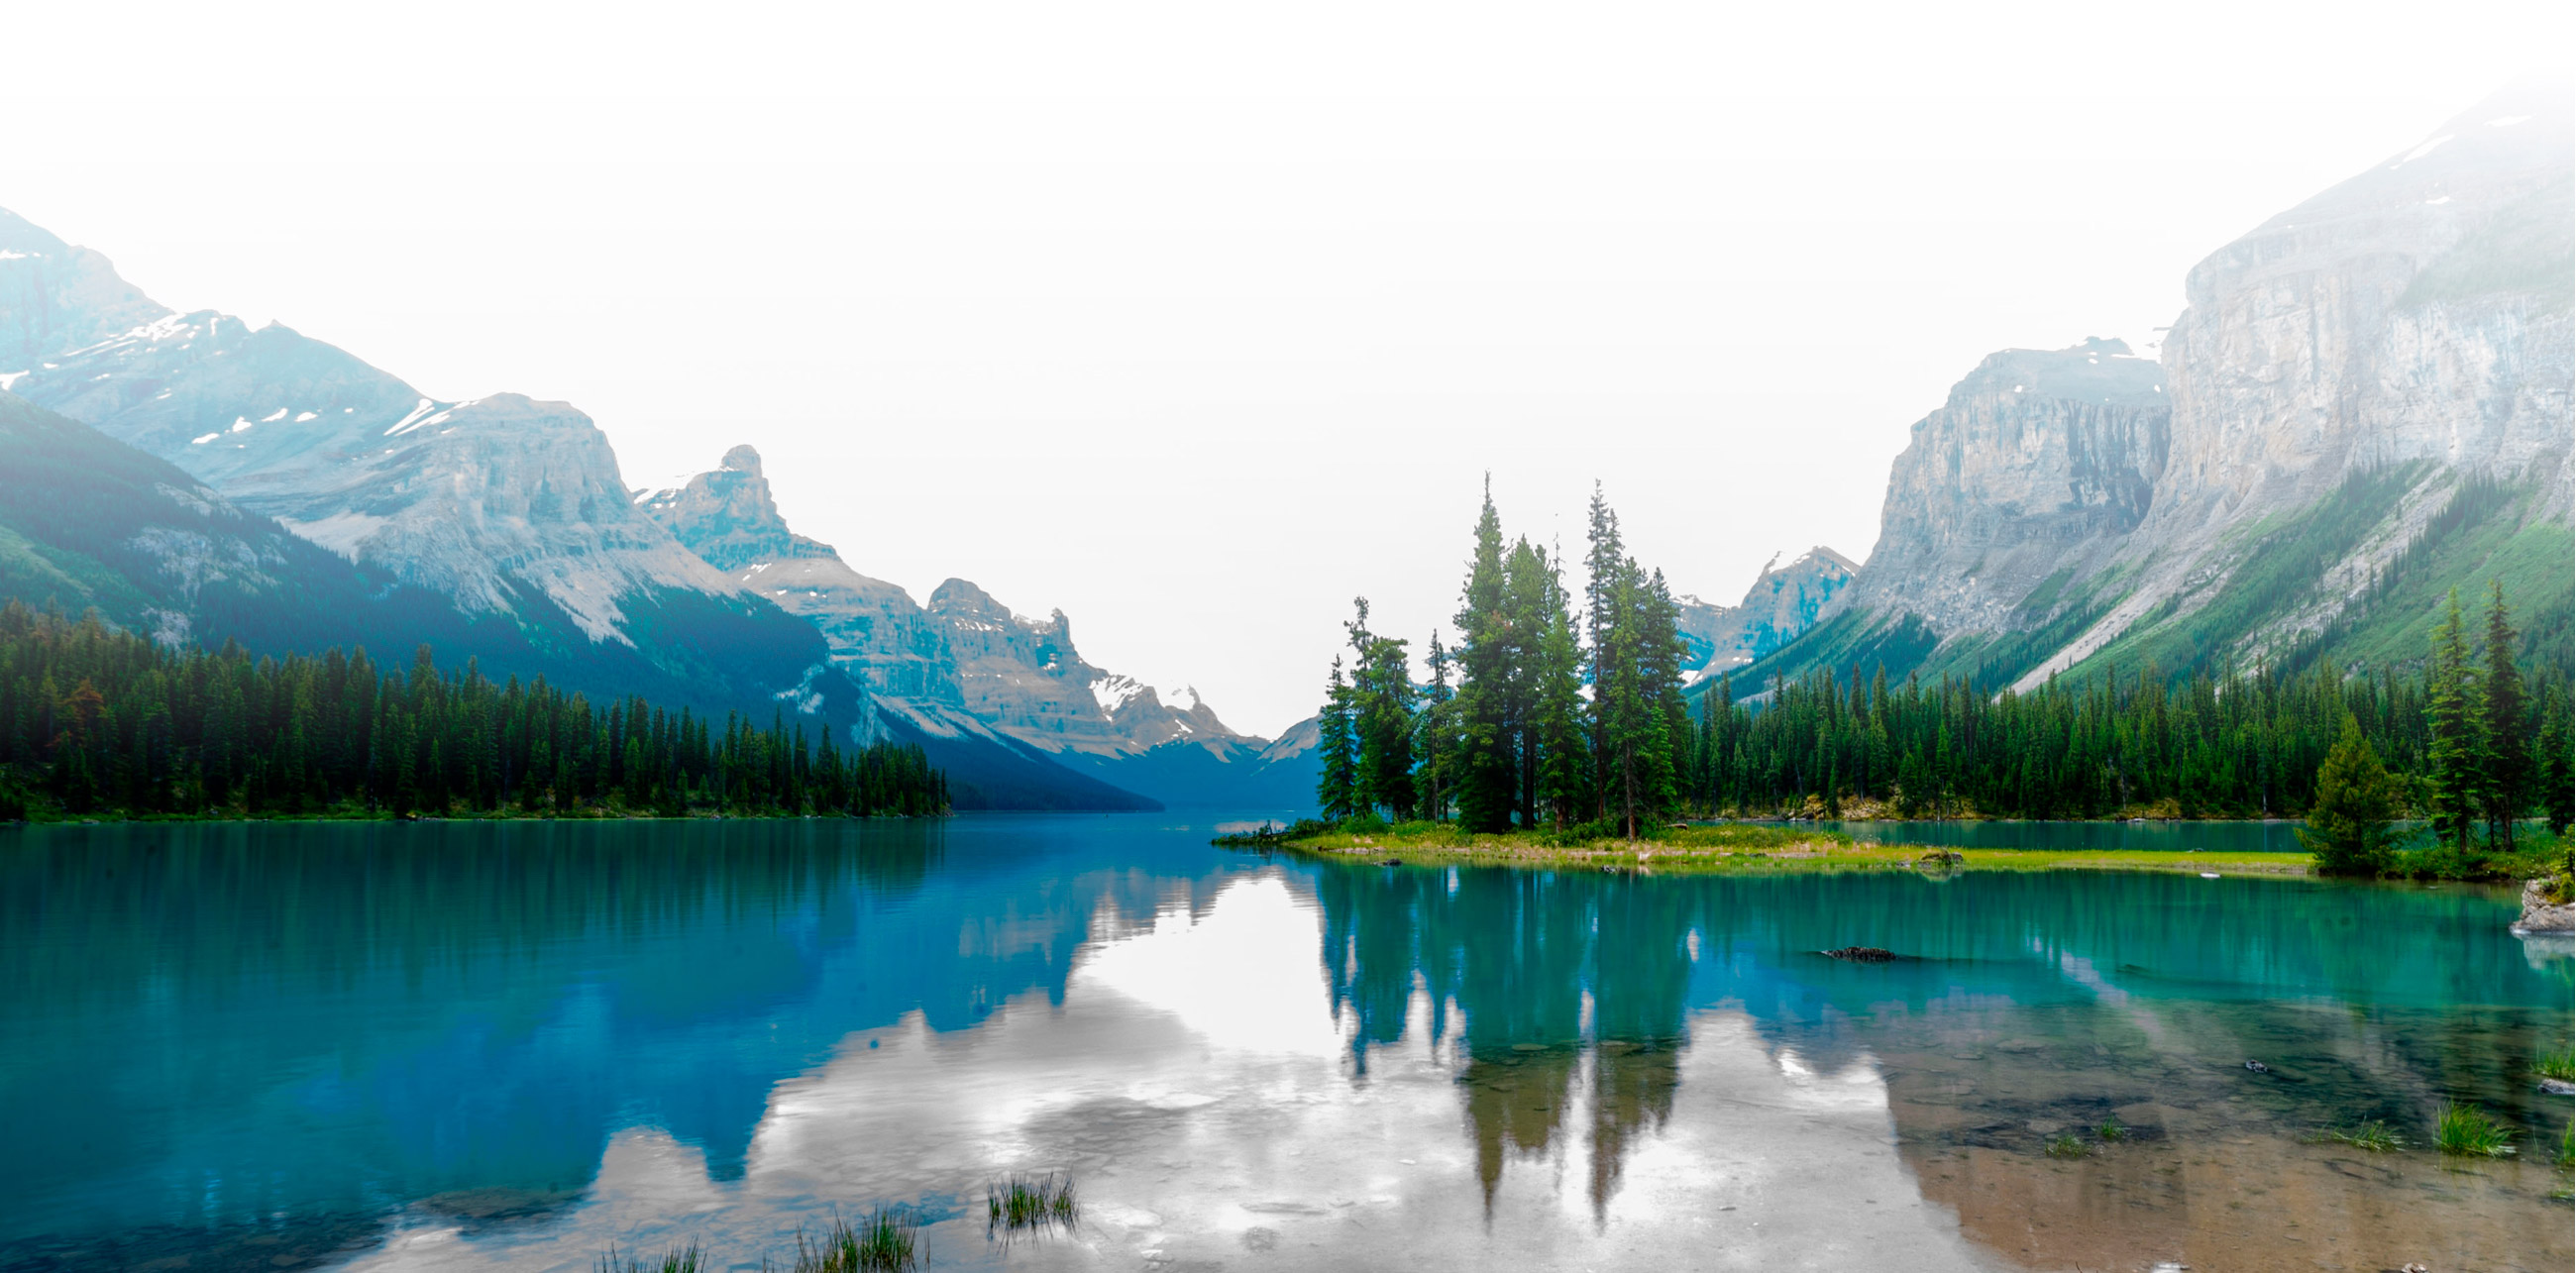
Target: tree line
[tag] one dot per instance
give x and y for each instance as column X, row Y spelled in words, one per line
column 2473, row 744
column 1567, row 712
column 95, row 720
column 1560, row 716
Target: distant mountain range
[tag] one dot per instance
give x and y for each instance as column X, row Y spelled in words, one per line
column 157, row 462
column 966, row 667
column 2366, row 404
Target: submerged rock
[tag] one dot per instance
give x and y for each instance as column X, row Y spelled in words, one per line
column 1863, row 954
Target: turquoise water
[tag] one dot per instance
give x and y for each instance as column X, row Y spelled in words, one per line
column 485, row 1046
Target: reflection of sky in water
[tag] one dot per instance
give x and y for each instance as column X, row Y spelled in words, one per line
column 1192, row 1079
column 720, row 1032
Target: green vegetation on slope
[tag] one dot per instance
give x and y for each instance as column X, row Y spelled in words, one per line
column 98, row 722
column 2135, row 744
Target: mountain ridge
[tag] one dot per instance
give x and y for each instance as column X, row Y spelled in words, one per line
column 2365, row 402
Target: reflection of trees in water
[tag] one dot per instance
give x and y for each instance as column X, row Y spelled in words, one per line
column 2056, row 957
column 1557, row 976
column 482, row 1004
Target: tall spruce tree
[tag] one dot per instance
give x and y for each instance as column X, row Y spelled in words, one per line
column 1528, row 588
column 1434, row 733
column 1637, row 712
column 2455, row 725
column 2508, row 776
column 1565, row 762
column 1487, row 768
column 1381, row 717
column 1338, row 778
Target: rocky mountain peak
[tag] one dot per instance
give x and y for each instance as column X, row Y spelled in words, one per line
column 55, row 298
column 1784, row 601
column 728, row 516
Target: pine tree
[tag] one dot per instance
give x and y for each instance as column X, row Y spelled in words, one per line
column 2455, row 720
column 2348, row 825
column 1487, row 763
column 2557, row 759
column 1433, row 732
column 1565, row 761
column 1381, row 718
column 2508, row 776
column 1337, row 786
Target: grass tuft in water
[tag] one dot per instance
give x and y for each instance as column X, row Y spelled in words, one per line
column 2111, row 1131
column 687, row 1259
column 1027, row 1203
column 2559, row 1065
column 2066, row 1147
column 882, row 1243
column 2466, row 1131
column 2373, row 1134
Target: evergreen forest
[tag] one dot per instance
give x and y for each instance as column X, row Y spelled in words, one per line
column 100, row 722
column 1566, row 713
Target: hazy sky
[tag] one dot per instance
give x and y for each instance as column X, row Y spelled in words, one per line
column 1195, row 320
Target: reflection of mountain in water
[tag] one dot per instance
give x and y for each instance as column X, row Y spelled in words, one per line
column 292, row 1019
column 1582, row 985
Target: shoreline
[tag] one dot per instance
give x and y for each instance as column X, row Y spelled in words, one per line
column 1729, row 849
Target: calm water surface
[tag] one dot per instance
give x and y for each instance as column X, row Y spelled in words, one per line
column 469, row 1047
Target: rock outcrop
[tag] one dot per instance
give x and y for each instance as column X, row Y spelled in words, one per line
column 2540, row 915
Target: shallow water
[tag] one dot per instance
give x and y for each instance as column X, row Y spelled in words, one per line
column 469, row 1046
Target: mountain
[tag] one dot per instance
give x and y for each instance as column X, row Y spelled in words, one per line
column 875, row 635
column 89, row 523
column 2366, row 404
column 965, row 666
column 508, row 509
column 1784, row 601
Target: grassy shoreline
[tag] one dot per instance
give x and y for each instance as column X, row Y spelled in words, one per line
column 1736, row 848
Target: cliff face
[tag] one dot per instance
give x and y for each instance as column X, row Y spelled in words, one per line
column 2039, row 461
column 2345, row 373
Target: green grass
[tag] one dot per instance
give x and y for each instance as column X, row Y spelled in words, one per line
column 2465, row 1131
column 2559, row 1065
column 687, row 1259
column 2111, row 1131
column 882, row 1243
column 2066, row 1147
column 1030, row 1203
column 2373, row 1135
column 1735, row 847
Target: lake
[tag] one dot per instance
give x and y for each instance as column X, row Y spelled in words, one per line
column 476, row 1046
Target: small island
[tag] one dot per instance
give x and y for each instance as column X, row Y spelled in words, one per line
column 1723, row 847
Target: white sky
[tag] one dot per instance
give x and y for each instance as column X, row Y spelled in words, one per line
column 1195, row 321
